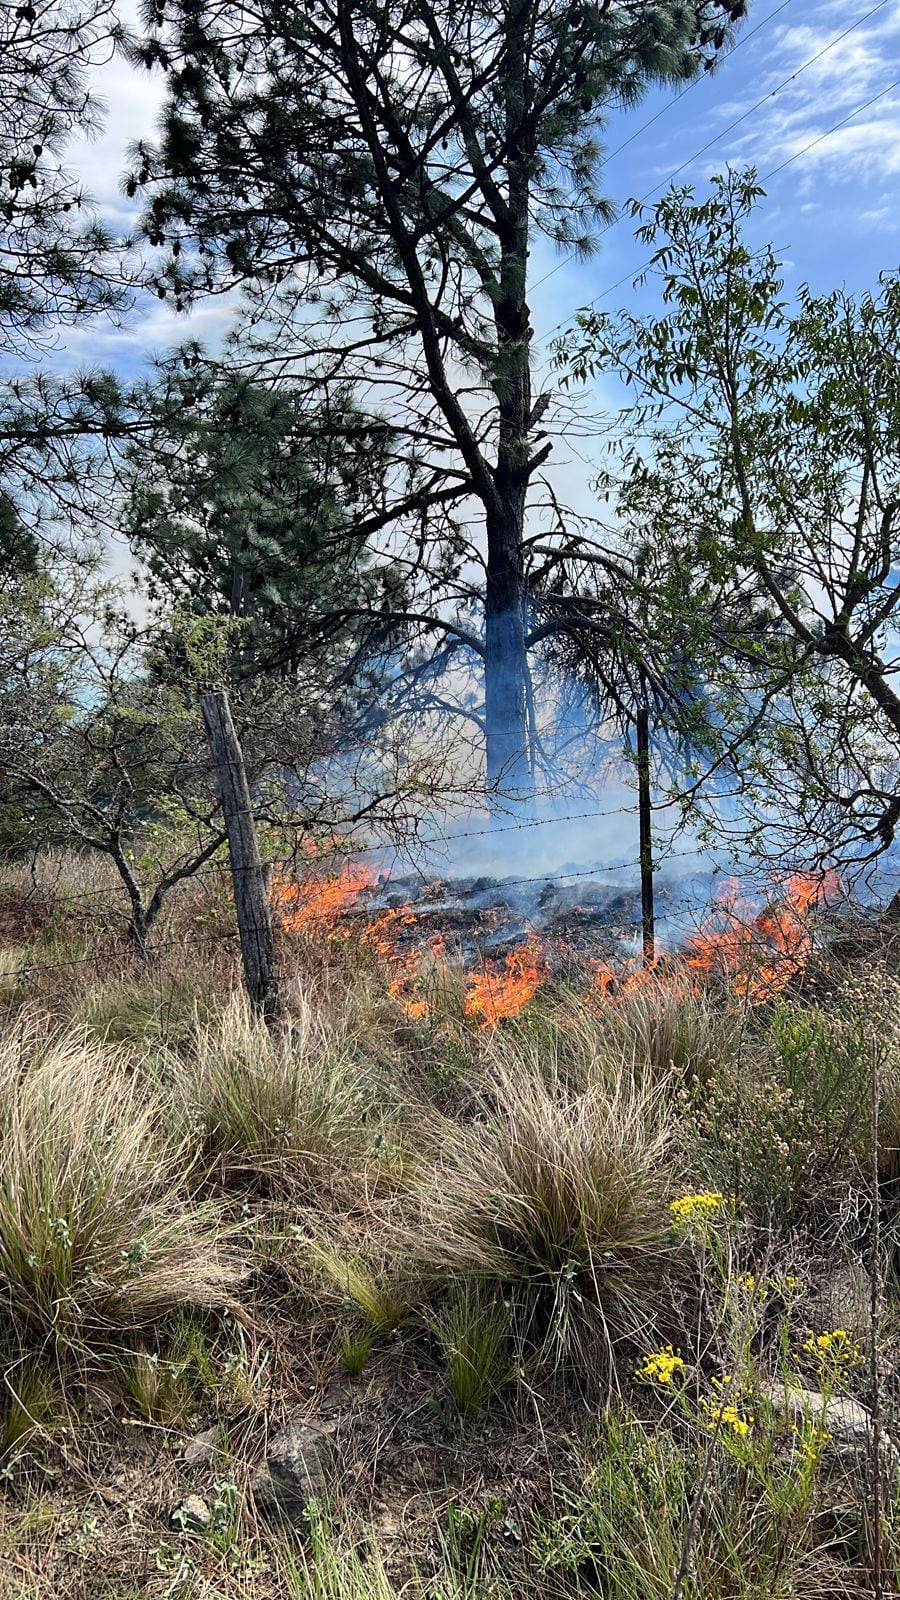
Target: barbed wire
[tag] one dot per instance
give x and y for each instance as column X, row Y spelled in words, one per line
column 415, row 842
column 671, row 905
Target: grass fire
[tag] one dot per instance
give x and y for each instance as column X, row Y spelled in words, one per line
column 449, row 800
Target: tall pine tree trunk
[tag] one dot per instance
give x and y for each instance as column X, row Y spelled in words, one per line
column 506, row 662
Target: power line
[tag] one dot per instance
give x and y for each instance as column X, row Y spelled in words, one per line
column 694, row 84
column 438, row 838
column 664, row 182
column 501, row 884
column 834, row 129
column 197, row 940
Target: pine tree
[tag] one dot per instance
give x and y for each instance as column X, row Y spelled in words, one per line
column 54, row 258
column 392, row 166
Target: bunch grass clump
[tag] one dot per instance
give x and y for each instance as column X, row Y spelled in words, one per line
column 98, row 1229
column 281, row 1106
column 556, row 1197
column 371, row 1290
column 472, row 1334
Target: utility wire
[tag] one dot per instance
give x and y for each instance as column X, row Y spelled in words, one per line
column 664, row 182
column 231, row 935
column 833, row 129
column 694, row 84
column 214, row 867
column 501, row 885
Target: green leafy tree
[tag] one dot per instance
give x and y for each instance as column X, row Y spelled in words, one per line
column 763, row 488
column 96, row 755
column 377, row 178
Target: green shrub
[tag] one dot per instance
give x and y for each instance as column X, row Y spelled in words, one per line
column 783, row 1126
column 623, row 1528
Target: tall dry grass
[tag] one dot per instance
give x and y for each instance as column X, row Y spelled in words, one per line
column 556, row 1196
column 284, row 1106
column 98, row 1227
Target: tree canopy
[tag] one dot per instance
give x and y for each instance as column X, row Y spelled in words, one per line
column 376, row 178
column 762, row 483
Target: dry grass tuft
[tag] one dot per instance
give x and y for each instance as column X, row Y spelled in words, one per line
column 283, row 1107
column 557, row 1196
column 97, row 1230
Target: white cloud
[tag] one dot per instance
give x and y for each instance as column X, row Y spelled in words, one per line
column 132, row 99
column 831, row 80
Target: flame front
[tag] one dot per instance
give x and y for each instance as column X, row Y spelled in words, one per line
column 320, row 902
column 760, row 952
column 754, row 953
column 499, row 992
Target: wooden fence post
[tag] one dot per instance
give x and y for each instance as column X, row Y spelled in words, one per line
column 254, row 915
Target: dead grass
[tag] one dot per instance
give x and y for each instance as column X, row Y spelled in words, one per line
column 556, row 1197
column 98, row 1228
column 284, row 1107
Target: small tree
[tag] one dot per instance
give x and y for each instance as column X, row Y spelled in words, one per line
column 94, row 755
column 764, row 492
column 246, row 504
column 58, row 265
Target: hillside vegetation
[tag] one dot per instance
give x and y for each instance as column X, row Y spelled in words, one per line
column 580, row 1304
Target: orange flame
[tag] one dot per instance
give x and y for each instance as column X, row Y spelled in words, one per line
column 381, row 936
column 502, row 991
column 319, row 903
column 760, row 952
column 757, row 953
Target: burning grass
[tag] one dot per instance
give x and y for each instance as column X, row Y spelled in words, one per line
column 754, row 953
column 444, row 1326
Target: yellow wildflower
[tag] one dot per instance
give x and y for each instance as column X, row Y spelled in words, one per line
column 747, row 1282
column 696, row 1205
column 834, row 1349
column 728, row 1416
column 812, row 1440
column 660, row 1366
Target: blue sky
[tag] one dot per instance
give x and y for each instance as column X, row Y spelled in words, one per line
column 833, row 212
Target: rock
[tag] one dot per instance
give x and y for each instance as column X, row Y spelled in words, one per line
column 847, row 1422
column 191, row 1515
column 201, row 1449
column 846, row 1418
column 294, row 1472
